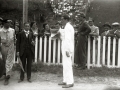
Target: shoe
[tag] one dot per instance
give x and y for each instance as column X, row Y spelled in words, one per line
column 68, row 86
column 29, row 80
column 81, row 68
column 6, row 82
column 3, row 77
column 62, row 83
column 20, row 80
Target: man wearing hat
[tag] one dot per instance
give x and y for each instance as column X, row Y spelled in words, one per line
column 7, row 48
column 106, row 28
column 115, row 27
column 81, row 47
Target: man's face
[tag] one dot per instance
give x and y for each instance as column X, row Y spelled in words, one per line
column 7, row 25
column 106, row 28
column 63, row 21
column 47, row 27
column 27, row 27
column 91, row 23
column 81, row 18
column 115, row 27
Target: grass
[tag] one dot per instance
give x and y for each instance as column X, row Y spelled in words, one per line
column 57, row 69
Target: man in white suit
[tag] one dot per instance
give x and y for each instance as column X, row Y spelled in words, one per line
column 67, row 47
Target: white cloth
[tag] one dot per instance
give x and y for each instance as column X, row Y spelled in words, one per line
column 26, row 32
column 94, row 29
column 67, row 38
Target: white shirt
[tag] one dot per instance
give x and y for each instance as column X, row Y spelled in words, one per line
column 67, row 37
column 26, row 32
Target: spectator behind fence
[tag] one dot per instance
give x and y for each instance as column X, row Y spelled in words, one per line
column 25, row 51
column 1, row 23
column 81, row 47
column 115, row 26
column 117, row 30
column 94, row 33
column 46, row 29
column 94, row 29
column 7, row 48
column 106, row 28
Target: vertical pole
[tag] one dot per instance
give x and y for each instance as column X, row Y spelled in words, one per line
column 25, row 11
column 98, row 57
column 88, row 53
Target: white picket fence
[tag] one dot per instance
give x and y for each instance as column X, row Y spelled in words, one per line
column 105, row 51
column 48, row 51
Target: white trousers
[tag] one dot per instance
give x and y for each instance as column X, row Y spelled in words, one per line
column 67, row 68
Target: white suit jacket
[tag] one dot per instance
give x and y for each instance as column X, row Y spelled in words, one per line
column 67, row 37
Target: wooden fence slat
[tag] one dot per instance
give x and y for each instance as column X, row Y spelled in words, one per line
column 114, row 48
column 118, row 63
column 49, row 59
column 94, row 54
column 36, row 48
column 58, row 52
column 88, row 53
column 98, row 56
column 54, row 50
column 40, row 49
column 103, row 54
column 45, row 48
column 108, row 51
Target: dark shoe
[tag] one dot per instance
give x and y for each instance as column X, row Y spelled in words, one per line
column 29, row 80
column 68, row 86
column 20, row 80
column 62, row 83
column 81, row 68
column 3, row 77
column 6, row 82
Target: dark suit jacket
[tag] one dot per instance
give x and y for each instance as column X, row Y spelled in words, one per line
column 20, row 45
column 84, row 29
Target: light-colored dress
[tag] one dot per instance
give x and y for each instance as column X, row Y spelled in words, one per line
column 7, row 47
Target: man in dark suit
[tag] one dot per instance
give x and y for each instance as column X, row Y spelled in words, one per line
column 25, row 51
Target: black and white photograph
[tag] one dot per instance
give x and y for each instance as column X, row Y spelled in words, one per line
column 59, row 44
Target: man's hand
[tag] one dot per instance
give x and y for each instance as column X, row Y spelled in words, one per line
column 18, row 54
column 33, row 43
column 68, row 54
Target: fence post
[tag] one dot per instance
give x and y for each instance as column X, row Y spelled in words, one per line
column 40, row 49
column 108, row 53
column 103, row 54
column 94, row 53
column 118, row 53
column 88, row 53
column 49, row 58
column 45, row 48
column 36, row 48
column 98, row 57
column 114, row 48
column 54, row 50
column 58, row 51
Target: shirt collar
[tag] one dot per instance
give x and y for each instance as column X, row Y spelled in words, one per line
column 26, row 31
column 5, row 30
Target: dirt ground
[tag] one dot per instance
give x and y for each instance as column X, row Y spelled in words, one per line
column 44, row 81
